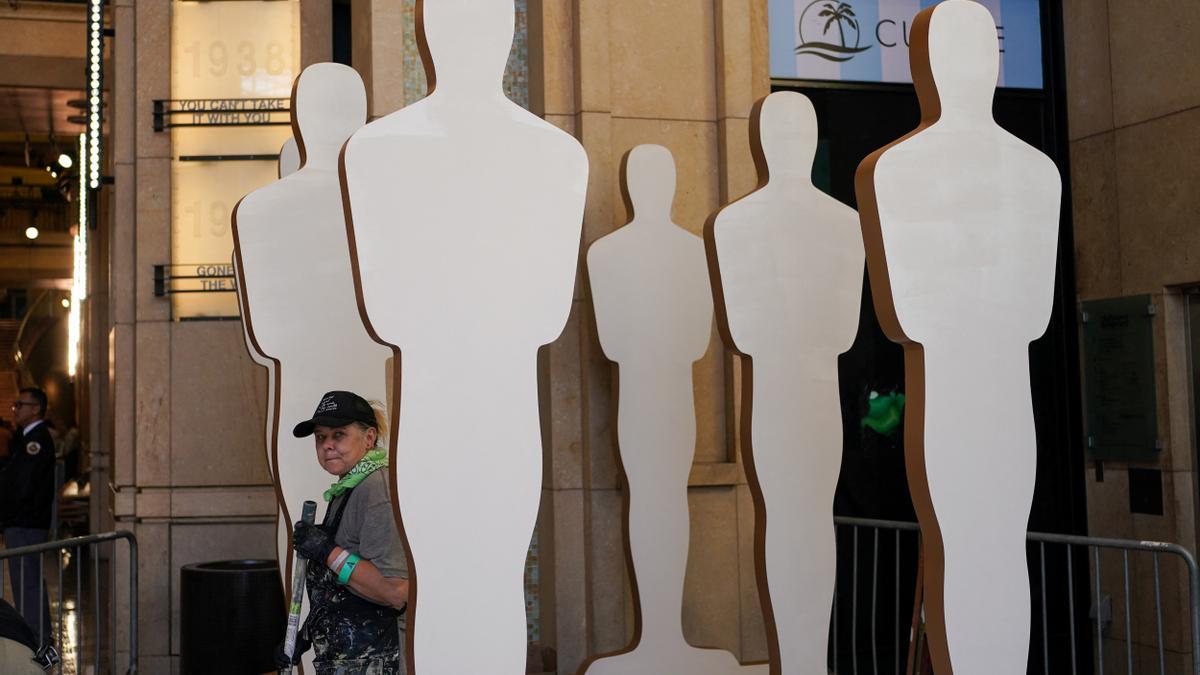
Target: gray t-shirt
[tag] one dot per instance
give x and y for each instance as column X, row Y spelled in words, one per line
column 368, row 526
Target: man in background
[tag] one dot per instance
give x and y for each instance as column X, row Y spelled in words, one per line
column 26, row 500
column 6, row 435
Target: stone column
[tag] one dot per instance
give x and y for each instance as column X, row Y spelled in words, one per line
column 316, row 32
column 116, row 442
column 378, row 53
column 143, row 364
column 176, row 431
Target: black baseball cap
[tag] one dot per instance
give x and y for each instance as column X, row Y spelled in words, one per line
column 338, row 409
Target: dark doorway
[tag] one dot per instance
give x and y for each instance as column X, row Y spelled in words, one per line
column 856, row 122
column 343, row 33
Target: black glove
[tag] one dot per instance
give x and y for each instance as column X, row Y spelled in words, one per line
column 312, row 542
column 282, row 662
column 281, row 659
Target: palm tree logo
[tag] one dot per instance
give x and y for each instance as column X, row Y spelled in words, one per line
column 819, row 18
column 838, row 14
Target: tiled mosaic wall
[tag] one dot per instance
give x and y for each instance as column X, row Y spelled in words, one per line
column 533, row 605
column 516, row 77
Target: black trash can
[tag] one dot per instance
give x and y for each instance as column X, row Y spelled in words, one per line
column 232, row 617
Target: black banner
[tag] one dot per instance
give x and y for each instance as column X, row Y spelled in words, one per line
column 221, row 112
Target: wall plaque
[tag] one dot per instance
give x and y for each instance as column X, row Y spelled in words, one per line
column 1118, row 374
column 232, row 67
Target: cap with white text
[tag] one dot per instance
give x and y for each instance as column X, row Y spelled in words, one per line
column 338, row 409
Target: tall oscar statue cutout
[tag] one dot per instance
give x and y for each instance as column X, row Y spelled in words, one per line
column 787, row 266
column 296, row 285
column 654, row 316
column 961, row 224
column 465, row 213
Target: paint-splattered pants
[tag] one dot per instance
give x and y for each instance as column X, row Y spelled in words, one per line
column 376, row 666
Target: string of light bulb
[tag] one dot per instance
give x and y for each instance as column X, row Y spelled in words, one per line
column 80, row 272
column 95, row 91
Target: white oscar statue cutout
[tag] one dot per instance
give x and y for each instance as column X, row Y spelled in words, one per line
column 297, row 289
column 654, row 317
column 787, row 264
column 289, row 163
column 289, row 158
column 466, row 213
column 961, row 223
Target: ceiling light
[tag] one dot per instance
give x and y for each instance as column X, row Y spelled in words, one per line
column 31, row 233
column 65, row 161
column 66, row 303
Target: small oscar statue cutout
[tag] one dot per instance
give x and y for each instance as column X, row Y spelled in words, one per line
column 787, row 263
column 654, row 316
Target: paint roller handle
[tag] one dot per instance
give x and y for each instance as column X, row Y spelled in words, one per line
column 309, row 515
column 299, row 570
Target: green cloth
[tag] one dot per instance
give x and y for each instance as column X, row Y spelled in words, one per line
column 884, row 413
column 373, row 461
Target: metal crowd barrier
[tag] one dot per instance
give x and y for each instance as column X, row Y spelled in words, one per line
column 1065, row 571
column 78, row 547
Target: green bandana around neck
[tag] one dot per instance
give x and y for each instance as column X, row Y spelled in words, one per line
column 373, row 461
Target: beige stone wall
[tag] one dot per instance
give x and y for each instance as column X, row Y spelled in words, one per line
column 1133, row 78
column 618, row 73
column 179, row 416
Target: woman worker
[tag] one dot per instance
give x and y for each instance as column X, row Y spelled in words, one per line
column 357, row 573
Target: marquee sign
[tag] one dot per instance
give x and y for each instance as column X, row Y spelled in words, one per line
column 867, row 40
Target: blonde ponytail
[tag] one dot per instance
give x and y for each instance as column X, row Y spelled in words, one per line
column 381, row 421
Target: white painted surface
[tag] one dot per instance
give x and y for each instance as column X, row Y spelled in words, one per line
column 466, row 215
column 299, row 292
column 790, row 263
column 654, row 317
column 289, row 163
column 289, row 158
column 968, row 221
column 282, row 551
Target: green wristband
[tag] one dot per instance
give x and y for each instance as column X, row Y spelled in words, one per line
column 348, row 569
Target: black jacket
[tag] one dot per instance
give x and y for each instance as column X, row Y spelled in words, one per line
column 27, row 480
